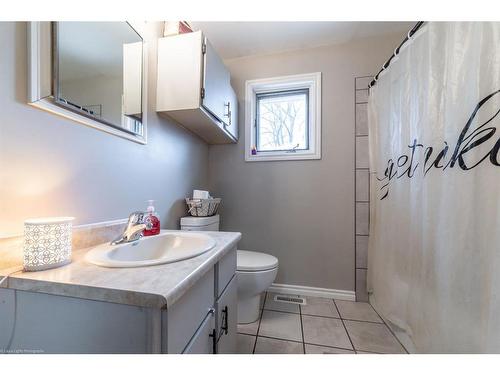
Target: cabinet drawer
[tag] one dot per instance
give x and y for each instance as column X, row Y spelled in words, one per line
column 227, row 318
column 225, row 270
column 203, row 341
column 185, row 316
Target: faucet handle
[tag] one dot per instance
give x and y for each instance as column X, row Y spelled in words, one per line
column 140, row 217
column 147, row 221
column 136, row 217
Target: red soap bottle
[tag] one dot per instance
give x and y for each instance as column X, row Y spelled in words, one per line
column 151, row 220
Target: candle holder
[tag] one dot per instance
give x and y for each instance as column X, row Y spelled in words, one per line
column 47, row 243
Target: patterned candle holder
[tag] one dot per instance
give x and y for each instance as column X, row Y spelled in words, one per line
column 47, row 243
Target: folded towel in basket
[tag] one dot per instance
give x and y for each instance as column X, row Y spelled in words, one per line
column 201, row 194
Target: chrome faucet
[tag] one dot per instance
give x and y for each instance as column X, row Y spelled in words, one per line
column 135, row 226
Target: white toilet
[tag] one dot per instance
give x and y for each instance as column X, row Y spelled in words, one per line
column 255, row 271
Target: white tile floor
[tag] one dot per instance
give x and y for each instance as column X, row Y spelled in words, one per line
column 322, row 326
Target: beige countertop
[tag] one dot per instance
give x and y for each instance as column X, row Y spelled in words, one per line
column 155, row 286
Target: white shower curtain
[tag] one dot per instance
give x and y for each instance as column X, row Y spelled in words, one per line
column 434, row 250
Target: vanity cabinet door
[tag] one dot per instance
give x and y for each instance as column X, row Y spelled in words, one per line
column 224, row 271
column 227, row 318
column 185, row 316
column 203, row 342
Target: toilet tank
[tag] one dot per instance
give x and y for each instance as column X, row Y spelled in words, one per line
column 209, row 223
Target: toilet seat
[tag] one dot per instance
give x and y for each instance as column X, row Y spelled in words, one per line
column 252, row 261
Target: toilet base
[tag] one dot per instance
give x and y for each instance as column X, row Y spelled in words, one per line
column 249, row 309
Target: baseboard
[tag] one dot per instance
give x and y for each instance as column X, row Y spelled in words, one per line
column 347, row 295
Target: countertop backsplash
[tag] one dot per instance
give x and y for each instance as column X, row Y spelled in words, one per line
column 88, row 235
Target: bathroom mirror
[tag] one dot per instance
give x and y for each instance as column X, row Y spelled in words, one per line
column 91, row 72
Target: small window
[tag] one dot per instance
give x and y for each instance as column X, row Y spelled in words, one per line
column 283, row 118
column 282, row 121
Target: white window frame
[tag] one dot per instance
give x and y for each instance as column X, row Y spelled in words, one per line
column 311, row 81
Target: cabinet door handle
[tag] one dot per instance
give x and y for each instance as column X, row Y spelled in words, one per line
column 213, row 335
column 228, row 114
column 228, row 106
column 225, row 324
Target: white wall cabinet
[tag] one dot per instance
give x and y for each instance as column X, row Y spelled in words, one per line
column 132, row 79
column 202, row 321
column 194, row 88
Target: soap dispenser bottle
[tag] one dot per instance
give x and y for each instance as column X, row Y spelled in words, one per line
column 151, row 220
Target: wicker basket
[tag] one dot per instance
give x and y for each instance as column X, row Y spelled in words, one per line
column 203, row 207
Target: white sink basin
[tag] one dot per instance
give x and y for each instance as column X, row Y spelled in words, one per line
column 166, row 247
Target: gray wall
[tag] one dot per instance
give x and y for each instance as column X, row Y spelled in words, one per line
column 301, row 211
column 53, row 166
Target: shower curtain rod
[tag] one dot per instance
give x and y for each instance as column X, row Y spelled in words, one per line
column 415, row 28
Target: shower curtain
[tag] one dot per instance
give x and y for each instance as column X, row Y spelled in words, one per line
column 434, row 247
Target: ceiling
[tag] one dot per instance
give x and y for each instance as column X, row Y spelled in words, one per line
column 238, row 39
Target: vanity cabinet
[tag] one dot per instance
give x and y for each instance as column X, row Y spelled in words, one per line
column 202, row 321
column 194, row 88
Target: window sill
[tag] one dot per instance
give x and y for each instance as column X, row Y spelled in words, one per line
column 283, row 156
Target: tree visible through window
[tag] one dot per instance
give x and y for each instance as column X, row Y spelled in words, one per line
column 282, row 121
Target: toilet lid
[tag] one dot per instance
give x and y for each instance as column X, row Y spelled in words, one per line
column 254, row 261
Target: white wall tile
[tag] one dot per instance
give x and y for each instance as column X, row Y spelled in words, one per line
column 362, row 119
column 362, row 218
column 361, row 251
column 363, row 82
column 361, row 287
column 361, row 96
column 362, row 188
column 362, row 185
column 362, row 159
